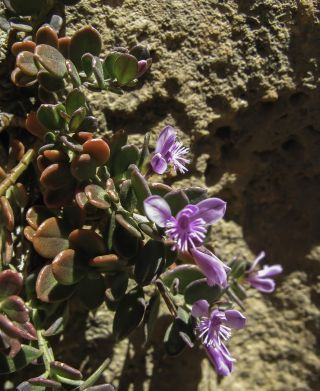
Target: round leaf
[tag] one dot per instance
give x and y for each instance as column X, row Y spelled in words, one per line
column 85, row 40
column 69, row 267
column 26, row 62
column 51, row 238
column 185, row 274
column 51, row 59
column 200, row 290
column 125, row 69
column 10, row 283
column 49, row 290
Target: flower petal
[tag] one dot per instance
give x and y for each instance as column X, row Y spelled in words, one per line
column 257, row 261
column 265, row 285
column 158, row 164
column 211, row 210
column 157, row 210
column 200, row 308
column 166, row 140
column 211, row 267
column 235, row 319
column 270, row 271
column 221, row 359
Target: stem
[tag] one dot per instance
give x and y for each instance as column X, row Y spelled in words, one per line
column 17, row 171
column 166, row 297
column 95, row 376
column 74, row 147
column 234, row 297
column 47, row 351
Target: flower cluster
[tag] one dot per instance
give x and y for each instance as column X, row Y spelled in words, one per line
column 187, row 230
column 213, row 328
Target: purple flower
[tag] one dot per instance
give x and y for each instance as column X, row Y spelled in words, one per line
column 262, row 279
column 211, row 266
column 215, row 325
column 213, row 328
column 143, row 66
column 169, row 151
column 188, row 230
column 221, row 359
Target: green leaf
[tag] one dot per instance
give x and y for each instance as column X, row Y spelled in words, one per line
column 73, row 73
column 75, row 100
column 177, row 200
column 97, row 196
column 196, row 194
column 87, row 63
column 11, row 283
column 149, row 263
column 51, row 59
column 119, row 285
column 26, row 355
column 128, row 198
column 109, row 63
column 140, row 187
column 98, row 72
column 159, row 189
column 124, row 243
column 49, row 290
column 128, row 154
column 49, row 116
column 110, row 229
column 77, row 117
column 85, row 40
column 129, row 313
column 125, row 69
column 129, row 224
column 199, row 289
column 144, row 154
column 185, row 274
column 119, row 139
column 69, row 267
column 50, row 82
column 15, row 308
column 151, row 316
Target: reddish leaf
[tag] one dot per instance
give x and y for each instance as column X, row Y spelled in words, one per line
column 10, row 283
column 51, row 238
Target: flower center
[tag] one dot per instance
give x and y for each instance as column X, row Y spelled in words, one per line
column 186, row 230
column 212, row 329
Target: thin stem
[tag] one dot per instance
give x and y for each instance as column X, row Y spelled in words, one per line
column 166, row 297
column 47, row 351
column 17, row 171
column 73, row 147
column 95, row 376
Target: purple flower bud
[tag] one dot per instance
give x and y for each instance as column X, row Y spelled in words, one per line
column 143, row 66
column 169, row 151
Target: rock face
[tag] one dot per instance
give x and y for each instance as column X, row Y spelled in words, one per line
column 240, row 79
